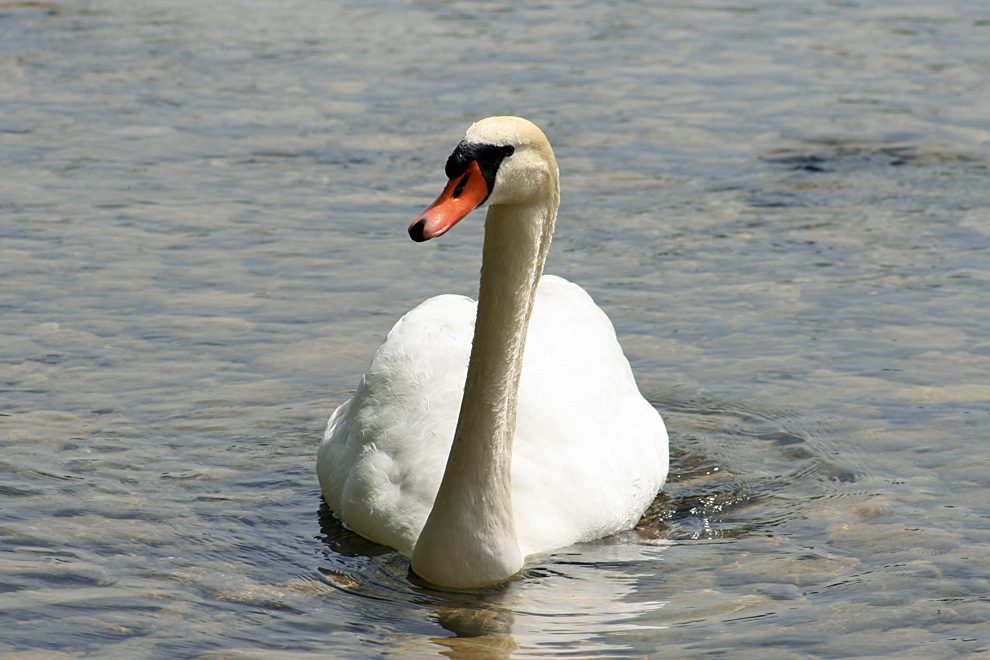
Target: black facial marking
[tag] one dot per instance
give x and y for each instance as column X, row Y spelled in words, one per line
column 488, row 157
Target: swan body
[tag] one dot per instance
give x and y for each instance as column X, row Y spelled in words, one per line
column 484, row 433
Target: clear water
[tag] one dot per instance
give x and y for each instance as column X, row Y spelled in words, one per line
column 783, row 206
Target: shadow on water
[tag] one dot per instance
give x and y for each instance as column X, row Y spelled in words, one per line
column 378, row 578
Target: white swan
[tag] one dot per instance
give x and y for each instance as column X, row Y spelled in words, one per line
column 548, row 449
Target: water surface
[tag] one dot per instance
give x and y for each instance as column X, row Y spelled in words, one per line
column 781, row 205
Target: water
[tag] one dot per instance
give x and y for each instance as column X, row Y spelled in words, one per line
column 781, row 205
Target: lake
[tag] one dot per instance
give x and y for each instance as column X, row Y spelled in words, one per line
column 782, row 206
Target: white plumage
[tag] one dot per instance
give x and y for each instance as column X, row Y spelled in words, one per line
column 588, row 452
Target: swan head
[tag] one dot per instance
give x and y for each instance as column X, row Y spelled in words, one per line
column 501, row 160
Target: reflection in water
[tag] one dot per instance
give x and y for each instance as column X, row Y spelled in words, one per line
column 478, row 632
column 581, row 597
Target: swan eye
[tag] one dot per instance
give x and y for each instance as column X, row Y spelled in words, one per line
column 488, row 156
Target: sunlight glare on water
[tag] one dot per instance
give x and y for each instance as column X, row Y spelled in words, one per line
column 782, row 207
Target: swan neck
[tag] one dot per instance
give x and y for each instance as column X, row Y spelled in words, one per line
column 513, row 263
column 470, row 538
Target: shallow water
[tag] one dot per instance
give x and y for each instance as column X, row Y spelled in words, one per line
column 781, row 205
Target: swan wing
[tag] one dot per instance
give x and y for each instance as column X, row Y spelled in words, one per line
column 590, row 453
column 384, row 450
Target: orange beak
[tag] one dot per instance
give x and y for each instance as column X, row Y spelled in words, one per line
column 459, row 197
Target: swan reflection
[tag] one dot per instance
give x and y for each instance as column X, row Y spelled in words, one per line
column 587, row 600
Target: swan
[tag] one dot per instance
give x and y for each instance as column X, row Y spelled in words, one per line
column 463, row 450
